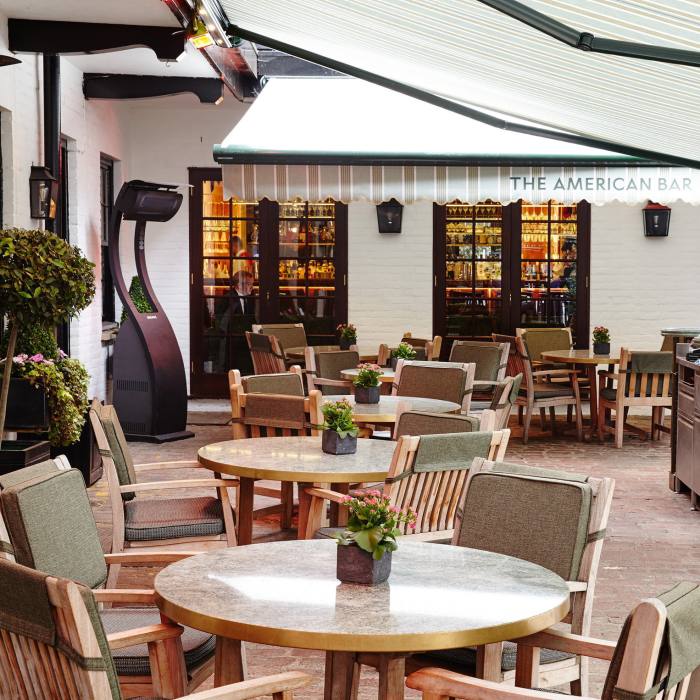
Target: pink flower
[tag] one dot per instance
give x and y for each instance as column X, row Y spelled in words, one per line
column 347, row 498
column 412, row 526
column 20, row 359
column 394, row 509
column 62, row 355
column 37, row 358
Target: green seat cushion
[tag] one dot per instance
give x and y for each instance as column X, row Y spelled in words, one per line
column 548, row 390
column 171, row 518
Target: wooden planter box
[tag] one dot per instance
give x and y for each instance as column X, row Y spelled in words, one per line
column 17, row 454
column 27, row 407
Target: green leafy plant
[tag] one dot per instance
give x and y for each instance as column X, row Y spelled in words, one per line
column 404, row 351
column 373, row 523
column 601, row 334
column 44, row 281
column 31, row 340
column 338, row 417
column 138, row 296
column 347, row 332
column 368, row 375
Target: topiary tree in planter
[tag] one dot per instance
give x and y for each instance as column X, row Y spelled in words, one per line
column 44, row 281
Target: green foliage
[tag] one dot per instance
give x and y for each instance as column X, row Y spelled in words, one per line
column 31, row 340
column 404, row 351
column 601, row 334
column 138, row 296
column 338, row 416
column 368, row 375
column 347, row 332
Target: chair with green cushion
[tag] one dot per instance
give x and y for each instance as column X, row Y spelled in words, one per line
column 505, row 394
column 539, row 340
column 53, row 645
column 656, row 655
column 323, row 370
column 447, row 381
column 52, row 529
column 202, row 521
column 553, row 518
column 642, row 379
column 288, row 335
column 491, row 360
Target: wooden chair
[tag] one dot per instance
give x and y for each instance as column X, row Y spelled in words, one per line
column 288, row 335
column 266, row 353
column 428, row 474
column 448, row 381
column 539, row 391
column 642, row 379
column 578, row 508
column 491, row 360
column 52, row 529
column 425, row 423
column 427, row 348
column 500, row 407
column 54, row 646
column 644, row 662
column 323, row 370
column 383, row 355
column 539, row 340
column 192, row 522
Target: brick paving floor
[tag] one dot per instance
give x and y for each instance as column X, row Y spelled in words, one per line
column 652, row 537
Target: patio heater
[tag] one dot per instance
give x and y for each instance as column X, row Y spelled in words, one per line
column 149, row 386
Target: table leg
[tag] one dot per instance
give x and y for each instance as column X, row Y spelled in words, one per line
column 229, row 662
column 340, row 675
column 392, row 669
column 245, row 510
column 593, row 394
column 339, row 516
column 287, row 490
column 304, row 506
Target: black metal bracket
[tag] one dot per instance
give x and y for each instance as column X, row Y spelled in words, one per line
column 40, row 36
column 111, row 86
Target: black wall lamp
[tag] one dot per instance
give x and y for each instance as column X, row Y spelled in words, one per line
column 389, row 215
column 8, row 60
column 43, row 193
column 657, row 219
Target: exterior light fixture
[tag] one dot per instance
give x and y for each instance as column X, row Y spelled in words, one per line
column 43, row 193
column 389, row 215
column 199, row 35
column 8, row 61
column 657, row 219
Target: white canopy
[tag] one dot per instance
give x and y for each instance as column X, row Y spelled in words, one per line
column 475, row 55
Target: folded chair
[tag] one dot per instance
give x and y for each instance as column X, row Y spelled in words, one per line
column 657, row 655
column 54, row 645
column 193, row 522
column 642, row 379
column 490, row 360
column 52, row 529
column 448, row 381
column 323, row 370
column 536, row 504
column 266, row 353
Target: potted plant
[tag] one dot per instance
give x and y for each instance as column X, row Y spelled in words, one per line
column 601, row 340
column 347, row 335
column 367, row 385
column 44, row 281
column 365, row 547
column 339, row 431
column 404, row 351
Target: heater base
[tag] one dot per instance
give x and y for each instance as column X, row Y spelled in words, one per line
column 163, row 437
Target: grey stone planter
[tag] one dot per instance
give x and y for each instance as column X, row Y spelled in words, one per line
column 354, row 565
column 333, row 444
column 601, row 348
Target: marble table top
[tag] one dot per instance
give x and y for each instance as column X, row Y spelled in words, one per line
column 681, row 332
column 390, row 406
column 287, row 594
column 386, row 376
column 582, row 357
column 298, row 459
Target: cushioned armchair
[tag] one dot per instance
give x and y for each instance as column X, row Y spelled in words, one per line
column 447, row 381
column 656, row 654
column 52, row 529
column 53, row 643
column 535, row 504
column 323, row 370
column 490, row 360
column 138, row 521
column 288, row 335
column 266, row 353
column 539, row 340
column 504, row 397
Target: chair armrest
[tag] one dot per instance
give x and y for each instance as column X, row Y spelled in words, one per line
column 556, row 373
column 179, row 484
column 571, row 643
column 255, row 688
column 485, row 382
column 121, row 595
column 326, row 494
column 439, row 683
column 606, row 374
column 143, row 635
column 147, row 558
column 178, row 464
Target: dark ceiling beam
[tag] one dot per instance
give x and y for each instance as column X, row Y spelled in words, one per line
column 110, row 86
column 40, row 36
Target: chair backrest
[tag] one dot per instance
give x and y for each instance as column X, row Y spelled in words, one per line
column 428, row 474
column 287, row 383
column 491, row 359
column 53, row 642
column 112, row 444
column 323, row 370
column 553, row 518
column 448, row 381
column 51, row 527
column 426, row 348
column 265, row 352
column 658, row 649
column 539, row 340
column 424, row 423
column 646, row 376
column 518, row 359
column 503, row 400
column 383, row 355
column 289, row 335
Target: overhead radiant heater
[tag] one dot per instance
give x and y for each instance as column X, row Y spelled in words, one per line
column 149, row 386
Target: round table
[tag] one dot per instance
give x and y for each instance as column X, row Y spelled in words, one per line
column 387, row 375
column 389, row 407
column 293, row 459
column 590, row 361
column 287, row 594
column 298, row 353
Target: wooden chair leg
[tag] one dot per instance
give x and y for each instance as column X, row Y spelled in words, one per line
column 287, row 505
column 619, row 428
column 579, row 420
column 526, row 424
column 527, row 667
column 543, row 419
column 489, row 662
column 520, row 415
column 569, row 413
column 553, row 419
column 601, row 423
column 169, row 674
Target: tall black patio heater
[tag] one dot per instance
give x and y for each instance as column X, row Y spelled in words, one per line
column 149, row 386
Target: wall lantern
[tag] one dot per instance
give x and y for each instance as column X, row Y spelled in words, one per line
column 657, row 219
column 8, row 60
column 389, row 216
column 43, row 193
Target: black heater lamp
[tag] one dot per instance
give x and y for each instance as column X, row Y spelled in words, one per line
column 149, row 384
column 657, row 219
column 8, row 61
column 43, row 193
column 389, row 215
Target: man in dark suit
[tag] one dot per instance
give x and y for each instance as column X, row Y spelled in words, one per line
column 241, row 304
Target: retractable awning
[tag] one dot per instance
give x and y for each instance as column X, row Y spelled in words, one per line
column 476, row 56
column 347, row 139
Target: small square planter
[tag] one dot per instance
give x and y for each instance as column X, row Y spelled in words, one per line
column 17, row 454
column 344, row 343
column 394, row 362
column 354, row 565
column 367, row 394
column 601, row 348
column 333, row 444
column 26, row 406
